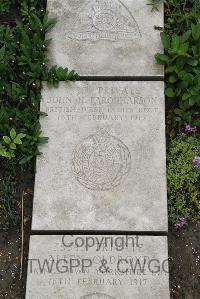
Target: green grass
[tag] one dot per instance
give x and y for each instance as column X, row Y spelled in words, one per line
column 183, row 178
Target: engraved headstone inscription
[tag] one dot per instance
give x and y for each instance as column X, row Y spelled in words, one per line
column 98, row 267
column 101, row 161
column 105, row 37
column 104, row 166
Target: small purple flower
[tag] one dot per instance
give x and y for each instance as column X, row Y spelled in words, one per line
column 198, row 225
column 190, row 129
column 196, row 162
column 181, row 223
column 182, row 220
column 177, row 226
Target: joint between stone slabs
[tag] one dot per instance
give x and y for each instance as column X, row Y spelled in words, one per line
column 89, row 232
column 121, row 78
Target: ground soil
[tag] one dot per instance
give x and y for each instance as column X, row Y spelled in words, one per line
column 184, row 257
column 14, row 252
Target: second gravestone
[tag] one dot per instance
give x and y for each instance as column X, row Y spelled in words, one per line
column 98, row 267
column 104, row 166
column 106, row 37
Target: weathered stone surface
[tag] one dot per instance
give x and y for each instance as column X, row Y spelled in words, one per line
column 106, row 38
column 104, row 166
column 98, row 267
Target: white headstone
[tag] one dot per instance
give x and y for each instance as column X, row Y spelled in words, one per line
column 106, row 37
column 104, row 167
column 98, row 267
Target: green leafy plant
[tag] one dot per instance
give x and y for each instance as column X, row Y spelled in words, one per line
column 179, row 14
column 155, row 4
column 182, row 58
column 9, row 144
column 183, row 178
column 182, row 62
column 5, row 5
column 23, row 68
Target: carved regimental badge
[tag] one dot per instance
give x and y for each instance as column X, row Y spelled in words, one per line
column 104, row 20
column 97, row 296
column 101, row 161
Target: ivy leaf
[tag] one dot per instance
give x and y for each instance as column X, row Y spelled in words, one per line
column 25, row 160
column 170, row 92
column 192, row 62
column 13, row 146
column 180, row 62
column 184, row 48
column 18, row 138
column 175, row 41
column 21, row 135
column 7, row 139
column 165, row 40
column 188, row 77
column 184, row 84
column 2, row 151
column 37, row 21
column 170, row 69
column 172, row 79
column 185, row 96
column 161, row 58
column 191, row 101
column 195, row 50
column 43, row 140
column 48, row 24
column 13, row 134
column 186, row 36
column 196, row 31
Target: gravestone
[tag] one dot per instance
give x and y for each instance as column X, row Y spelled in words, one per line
column 104, row 167
column 106, row 37
column 98, row 267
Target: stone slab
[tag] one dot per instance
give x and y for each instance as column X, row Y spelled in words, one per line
column 98, row 267
column 106, row 38
column 104, row 167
